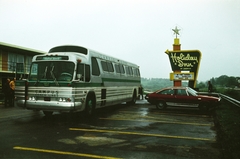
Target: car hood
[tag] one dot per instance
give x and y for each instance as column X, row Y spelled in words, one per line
column 209, row 94
column 209, row 97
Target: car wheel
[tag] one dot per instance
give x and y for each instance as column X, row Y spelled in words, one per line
column 203, row 107
column 161, row 105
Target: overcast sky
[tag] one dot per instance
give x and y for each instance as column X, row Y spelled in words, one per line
column 139, row 31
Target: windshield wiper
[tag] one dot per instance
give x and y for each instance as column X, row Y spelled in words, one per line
column 44, row 76
column 54, row 78
column 45, row 73
column 36, row 82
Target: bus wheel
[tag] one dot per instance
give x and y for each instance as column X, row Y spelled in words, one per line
column 47, row 113
column 90, row 106
column 134, row 99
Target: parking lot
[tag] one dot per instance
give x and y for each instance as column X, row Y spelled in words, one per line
column 121, row 131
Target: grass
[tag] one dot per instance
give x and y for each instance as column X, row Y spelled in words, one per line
column 227, row 121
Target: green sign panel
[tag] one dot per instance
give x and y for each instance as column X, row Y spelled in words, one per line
column 188, row 60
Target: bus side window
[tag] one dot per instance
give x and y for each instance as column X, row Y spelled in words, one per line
column 83, row 72
column 104, row 66
column 110, row 67
column 87, row 73
column 95, row 67
column 136, row 72
column 130, row 70
column 127, row 70
column 122, row 69
column 117, row 68
column 80, row 72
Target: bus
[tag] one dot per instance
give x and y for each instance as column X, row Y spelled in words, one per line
column 73, row 78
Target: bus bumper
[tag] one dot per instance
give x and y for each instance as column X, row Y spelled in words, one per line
column 51, row 105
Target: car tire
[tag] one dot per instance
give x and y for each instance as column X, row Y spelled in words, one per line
column 161, row 105
column 203, row 107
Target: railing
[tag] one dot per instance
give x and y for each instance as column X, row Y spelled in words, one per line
column 231, row 100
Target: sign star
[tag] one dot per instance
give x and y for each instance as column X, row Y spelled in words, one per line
column 176, row 31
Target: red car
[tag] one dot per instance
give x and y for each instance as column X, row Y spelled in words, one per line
column 182, row 97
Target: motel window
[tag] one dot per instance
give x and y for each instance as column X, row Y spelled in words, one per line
column 13, row 59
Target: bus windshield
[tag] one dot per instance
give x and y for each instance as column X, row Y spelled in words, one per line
column 51, row 70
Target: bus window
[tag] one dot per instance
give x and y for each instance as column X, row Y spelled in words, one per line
column 64, row 71
column 127, row 70
column 95, row 67
column 83, row 72
column 136, row 72
column 130, row 70
column 122, row 69
column 80, row 72
column 104, row 65
column 110, row 67
column 107, row 66
column 87, row 73
column 117, row 68
column 52, row 70
column 34, row 71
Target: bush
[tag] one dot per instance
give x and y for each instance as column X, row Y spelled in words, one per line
column 227, row 122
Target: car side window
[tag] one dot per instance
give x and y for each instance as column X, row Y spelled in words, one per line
column 181, row 92
column 167, row 92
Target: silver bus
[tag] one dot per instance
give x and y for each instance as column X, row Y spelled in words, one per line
column 73, row 78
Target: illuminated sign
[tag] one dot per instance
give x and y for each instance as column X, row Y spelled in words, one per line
column 47, row 58
column 188, row 60
column 182, row 76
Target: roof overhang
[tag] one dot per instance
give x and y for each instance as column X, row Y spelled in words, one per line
column 19, row 49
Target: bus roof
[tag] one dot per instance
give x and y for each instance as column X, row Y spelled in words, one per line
column 89, row 52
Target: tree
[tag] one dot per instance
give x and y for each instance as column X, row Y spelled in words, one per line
column 201, row 85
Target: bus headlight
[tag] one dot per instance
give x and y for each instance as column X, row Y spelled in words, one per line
column 64, row 100
column 32, row 98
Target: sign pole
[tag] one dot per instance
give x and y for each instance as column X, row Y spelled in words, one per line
column 177, row 47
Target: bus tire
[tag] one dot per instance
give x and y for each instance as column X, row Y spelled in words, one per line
column 90, row 105
column 134, row 98
column 48, row 113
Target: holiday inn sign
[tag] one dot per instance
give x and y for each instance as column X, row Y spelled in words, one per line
column 184, row 60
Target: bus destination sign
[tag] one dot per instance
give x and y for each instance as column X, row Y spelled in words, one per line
column 52, row 58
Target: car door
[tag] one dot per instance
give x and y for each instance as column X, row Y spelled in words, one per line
column 184, row 99
column 166, row 95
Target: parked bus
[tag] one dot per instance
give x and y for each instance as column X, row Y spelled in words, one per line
column 73, row 78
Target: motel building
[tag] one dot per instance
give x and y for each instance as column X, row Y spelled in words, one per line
column 15, row 62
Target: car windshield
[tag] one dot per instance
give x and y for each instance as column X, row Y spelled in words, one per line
column 51, row 70
column 191, row 91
